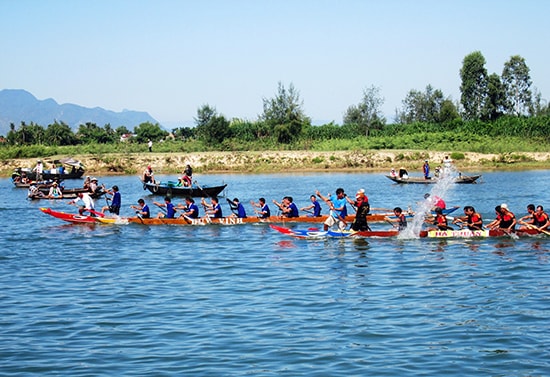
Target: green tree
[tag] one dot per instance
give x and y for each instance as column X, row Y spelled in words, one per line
column 474, row 86
column 284, row 114
column 517, row 84
column 89, row 133
column 429, row 106
column 149, row 131
column 211, row 127
column 496, row 97
column 367, row 114
column 59, row 134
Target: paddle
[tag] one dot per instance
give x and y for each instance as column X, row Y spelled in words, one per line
column 530, row 226
column 200, row 188
column 163, row 209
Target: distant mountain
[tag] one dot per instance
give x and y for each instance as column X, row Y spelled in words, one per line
column 18, row 106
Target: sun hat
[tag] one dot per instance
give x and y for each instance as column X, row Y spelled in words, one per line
column 504, row 205
column 93, row 179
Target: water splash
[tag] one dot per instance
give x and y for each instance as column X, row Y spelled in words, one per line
column 445, row 182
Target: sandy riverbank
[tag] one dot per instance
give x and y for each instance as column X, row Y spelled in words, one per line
column 280, row 161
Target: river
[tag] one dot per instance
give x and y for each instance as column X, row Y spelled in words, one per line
column 134, row 300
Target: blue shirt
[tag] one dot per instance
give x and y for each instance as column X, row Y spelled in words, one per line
column 266, row 212
column 241, row 213
column 293, row 210
column 193, row 211
column 145, row 209
column 339, row 203
column 117, row 201
column 170, row 211
column 316, row 209
column 217, row 211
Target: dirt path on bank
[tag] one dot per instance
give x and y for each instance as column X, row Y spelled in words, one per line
column 280, row 161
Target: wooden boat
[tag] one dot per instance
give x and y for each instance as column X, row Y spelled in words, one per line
column 67, row 194
column 69, row 217
column 231, row 220
column 172, row 189
column 466, row 233
column 71, row 169
column 313, row 233
column 461, row 179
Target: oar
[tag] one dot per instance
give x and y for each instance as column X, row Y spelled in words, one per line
column 200, row 188
column 534, row 227
column 163, row 209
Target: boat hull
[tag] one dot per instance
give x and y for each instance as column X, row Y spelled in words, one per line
column 420, row 180
column 69, row 217
column 231, row 220
column 167, row 189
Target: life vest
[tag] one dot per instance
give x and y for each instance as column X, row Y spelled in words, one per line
column 540, row 219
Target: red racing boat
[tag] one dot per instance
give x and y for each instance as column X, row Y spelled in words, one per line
column 69, row 217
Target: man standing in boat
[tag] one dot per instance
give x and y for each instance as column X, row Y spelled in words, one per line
column 338, row 209
column 426, row 170
column 360, row 222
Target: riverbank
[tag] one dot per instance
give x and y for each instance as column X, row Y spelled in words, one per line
column 283, row 161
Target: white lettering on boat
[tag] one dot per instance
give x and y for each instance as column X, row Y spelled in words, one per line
column 458, row 233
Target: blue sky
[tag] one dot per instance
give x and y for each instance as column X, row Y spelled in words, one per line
column 171, row 57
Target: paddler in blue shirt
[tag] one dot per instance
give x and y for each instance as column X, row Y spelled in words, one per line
column 235, row 205
column 315, row 206
column 170, row 208
column 191, row 210
column 214, row 209
column 142, row 210
column 338, row 209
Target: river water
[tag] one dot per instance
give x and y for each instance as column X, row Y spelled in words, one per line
column 133, row 300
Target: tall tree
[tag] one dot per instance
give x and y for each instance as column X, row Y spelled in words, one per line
column 211, row 127
column 149, row 131
column 474, row 86
column 59, row 134
column 285, row 108
column 368, row 113
column 496, row 97
column 429, row 106
column 517, row 84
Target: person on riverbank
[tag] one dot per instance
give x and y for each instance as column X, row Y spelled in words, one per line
column 314, row 208
column 263, row 212
column 116, row 201
column 142, row 209
column 169, row 206
column 338, row 209
column 471, row 219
